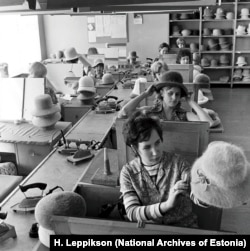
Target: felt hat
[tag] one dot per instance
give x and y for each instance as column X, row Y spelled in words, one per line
column 97, row 62
column 241, row 61
column 86, row 83
column 219, row 13
column 46, row 121
column 172, row 79
column 63, row 203
column 230, row 15
column 214, row 62
column 108, row 79
column 205, row 62
column 203, row 80
column 70, row 54
column 43, row 106
column 221, row 176
column 132, row 54
column 208, row 13
column 92, row 51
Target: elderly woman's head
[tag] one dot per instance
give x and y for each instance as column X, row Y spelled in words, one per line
column 144, row 135
column 158, row 68
column 37, row 70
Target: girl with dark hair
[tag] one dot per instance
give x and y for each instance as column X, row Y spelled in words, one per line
column 154, row 184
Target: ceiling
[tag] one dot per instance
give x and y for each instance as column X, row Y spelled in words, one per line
column 82, row 7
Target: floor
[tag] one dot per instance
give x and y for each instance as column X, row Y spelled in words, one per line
column 233, row 107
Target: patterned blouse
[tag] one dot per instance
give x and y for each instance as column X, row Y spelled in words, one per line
column 142, row 196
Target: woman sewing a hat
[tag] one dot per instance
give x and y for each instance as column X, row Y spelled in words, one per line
column 167, row 105
column 154, row 184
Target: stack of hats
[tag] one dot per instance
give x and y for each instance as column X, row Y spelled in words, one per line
column 108, row 79
column 176, row 30
column 213, row 44
column 224, row 45
column 45, row 113
column 241, row 61
column 241, row 30
column 205, row 62
column 230, row 15
column 66, row 203
column 224, row 60
column 219, row 14
column 244, row 13
column 208, row 14
column 246, row 75
column 86, row 89
column 237, row 76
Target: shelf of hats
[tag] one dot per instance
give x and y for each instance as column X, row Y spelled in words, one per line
column 221, row 36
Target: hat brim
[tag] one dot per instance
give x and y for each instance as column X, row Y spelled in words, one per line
column 132, row 57
column 46, row 122
column 217, row 195
column 81, row 96
column 160, row 85
column 68, row 59
column 94, row 65
column 87, row 89
column 40, row 113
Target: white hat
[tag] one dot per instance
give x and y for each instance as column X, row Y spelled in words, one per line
column 70, row 54
column 86, row 83
column 221, row 176
column 47, row 121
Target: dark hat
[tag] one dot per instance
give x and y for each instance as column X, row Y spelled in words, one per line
column 172, row 79
column 132, row 54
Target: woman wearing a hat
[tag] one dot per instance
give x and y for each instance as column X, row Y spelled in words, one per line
column 154, row 184
column 132, row 59
column 167, row 106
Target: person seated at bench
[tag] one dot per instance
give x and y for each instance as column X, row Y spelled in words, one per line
column 97, row 70
column 39, row 70
column 132, row 60
column 155, row 184
column 167, row 105
column 157, row 69
column 164, row 48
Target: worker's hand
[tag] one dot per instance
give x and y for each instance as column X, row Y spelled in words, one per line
column 150, row 90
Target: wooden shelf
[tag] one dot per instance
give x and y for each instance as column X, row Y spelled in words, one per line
column 215, row 52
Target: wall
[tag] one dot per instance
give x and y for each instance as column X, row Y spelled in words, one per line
column 62, row 31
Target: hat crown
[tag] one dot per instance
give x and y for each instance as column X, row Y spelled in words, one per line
column 70, row 53
column 132, row 54
column 108, row 78
column 97, row 62
column 86, row 81
column 92, row 51
column 231, row 161
column 202, row 79
column 241, row 60
column 244, row 11
column 43, row 102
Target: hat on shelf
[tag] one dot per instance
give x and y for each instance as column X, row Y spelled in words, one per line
column 241, row 30
column 132, row 54
column 108, row 79
column 241, row 61
column 208, row 13
column 86, row 84
column 70, row 54
column 43, row 106
column 205, row 62
column 244, row 13
column 214, row 62
column 224, row 60
column 184, row 16
column 219, row 13
column 221, row 176
column 97, row 61
column 237, row 76
column 203, row 47
column 186, row 32
column 224, row 79
column 172, row 79
column 193, row 47
column 206, row 32
column 216, row 32
column 230, row 15
column 63, row 203
column 213, row 44
column 176, row 30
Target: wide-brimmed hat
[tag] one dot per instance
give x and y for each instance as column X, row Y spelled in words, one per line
column 43, row 106
column 132, row 54
column 86, row 83
column 221, row 176
column 46, row 121
column 97, row 62
column 172, row 79
column 70, row 54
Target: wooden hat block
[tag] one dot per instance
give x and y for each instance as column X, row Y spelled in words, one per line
column 107, row 173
